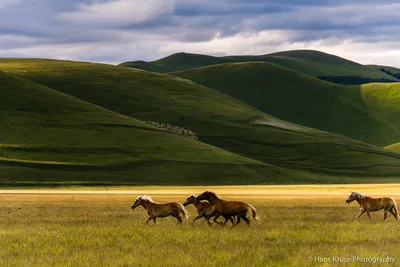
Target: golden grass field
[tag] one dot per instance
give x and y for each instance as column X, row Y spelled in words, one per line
column 96, row 227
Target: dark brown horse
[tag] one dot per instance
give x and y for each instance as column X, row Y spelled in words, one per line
column 155, row 209
column 228, row 208
column 204, row 210
column 369, row 204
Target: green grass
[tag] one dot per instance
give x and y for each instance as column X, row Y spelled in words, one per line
column 93, row 230
column 272, row 150
column 383, row 100
column 394, row 147
column 314, row 63
column 369, row 113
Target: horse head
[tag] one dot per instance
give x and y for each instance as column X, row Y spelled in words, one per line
column 203, row 196
column 351, row 198
column 190, row 200
column 139, row 201
column 207, row 195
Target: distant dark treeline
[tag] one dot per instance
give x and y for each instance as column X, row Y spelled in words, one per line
column 353, row 80
column 396, row 75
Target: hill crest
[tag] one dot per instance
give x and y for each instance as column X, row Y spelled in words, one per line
column 315, row 63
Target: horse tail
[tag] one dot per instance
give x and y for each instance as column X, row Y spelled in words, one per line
column 254, row 211
column 183, row 210
column 396, row 209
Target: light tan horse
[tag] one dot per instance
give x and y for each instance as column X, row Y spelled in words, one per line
column 228, row 208
column 204, row 210
column 155, row 209
column 369, row 204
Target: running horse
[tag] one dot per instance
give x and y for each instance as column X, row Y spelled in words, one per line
column 369, row 204
column 204, row 210
column 155, row 209
column 228, row 208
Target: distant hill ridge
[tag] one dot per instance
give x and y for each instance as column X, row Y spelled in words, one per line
column 317, row 64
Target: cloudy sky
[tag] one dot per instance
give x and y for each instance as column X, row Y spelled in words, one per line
column 113, row 31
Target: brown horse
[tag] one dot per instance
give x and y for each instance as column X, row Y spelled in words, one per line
column 369, row 204
column 155, row 209
column 228, row 208
column 204, row 210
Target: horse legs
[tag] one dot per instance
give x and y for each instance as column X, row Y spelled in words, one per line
column 216, row 217
column 179, row 218
column 361, row 213
column 385, row 214
column 198, row 217
column 237, row 221
column 226, row 219
column 369, row 215
column 393, row 213
column 230, row 219
column 151, row 218
column 208, row 217
column 245, row 219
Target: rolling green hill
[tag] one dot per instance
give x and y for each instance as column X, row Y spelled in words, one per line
column 50, row 137
column 317, row 64
column 290, row 153
column 321, row 65
column 369, row 113
column 175, row 62
column 383, row 100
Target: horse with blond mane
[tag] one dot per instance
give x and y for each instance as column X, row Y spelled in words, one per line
column 228, row 208
column 369, row 204
column 155, row 209
column 204, row 210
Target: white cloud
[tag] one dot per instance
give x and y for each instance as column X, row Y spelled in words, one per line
column 257, row 43
column 118, row 13
column 240, row 43
column 381, row 53
column 129, row 45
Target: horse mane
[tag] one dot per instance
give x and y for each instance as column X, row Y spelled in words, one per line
column 214, row 194
column 146, row 198
column 359, row 195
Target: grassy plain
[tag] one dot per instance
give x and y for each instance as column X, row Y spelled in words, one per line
column 95, row 227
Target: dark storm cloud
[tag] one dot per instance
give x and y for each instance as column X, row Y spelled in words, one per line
column 204, row 8
column 142, row 27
